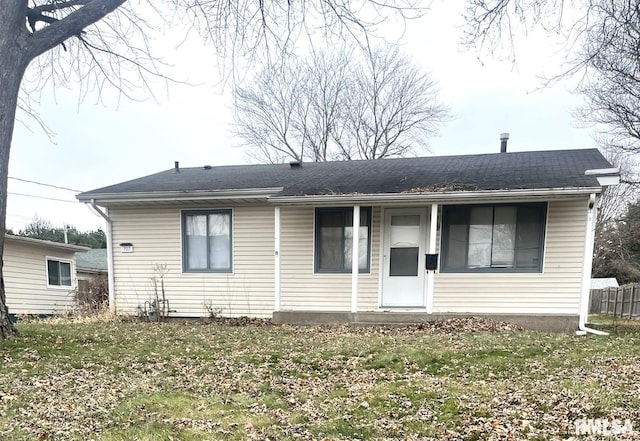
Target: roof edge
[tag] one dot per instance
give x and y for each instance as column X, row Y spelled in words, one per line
column 165, row 196
column 435, row 197
column 47, row 243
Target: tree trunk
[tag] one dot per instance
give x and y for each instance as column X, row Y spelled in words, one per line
column 13, row 64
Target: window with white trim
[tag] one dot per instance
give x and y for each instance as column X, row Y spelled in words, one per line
column 59, row 273
column 493, row 238
column 207, row 241
column 334, row 240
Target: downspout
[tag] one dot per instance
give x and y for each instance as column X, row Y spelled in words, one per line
column 586, row 273
column 110, row 275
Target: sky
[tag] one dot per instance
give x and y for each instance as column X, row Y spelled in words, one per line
column 95, row 145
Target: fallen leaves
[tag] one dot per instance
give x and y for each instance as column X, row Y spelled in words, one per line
column 449, row 379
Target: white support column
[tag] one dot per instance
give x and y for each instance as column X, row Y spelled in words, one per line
column 431, row 249
column 355, row 259
column 276, row 263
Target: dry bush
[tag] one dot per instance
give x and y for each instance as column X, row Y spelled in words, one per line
column 93, row 295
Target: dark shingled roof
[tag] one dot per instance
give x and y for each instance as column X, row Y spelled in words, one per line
column 499, row 171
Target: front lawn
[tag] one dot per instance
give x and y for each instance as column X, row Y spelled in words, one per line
column 201, row 381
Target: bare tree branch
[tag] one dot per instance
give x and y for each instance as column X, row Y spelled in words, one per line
column 339, row 106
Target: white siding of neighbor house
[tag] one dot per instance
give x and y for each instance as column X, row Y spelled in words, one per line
column 155, row 233
column 301, row 288
column 554, row 291
column 25, row 278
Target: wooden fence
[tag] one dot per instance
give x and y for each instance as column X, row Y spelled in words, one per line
column 618, row 302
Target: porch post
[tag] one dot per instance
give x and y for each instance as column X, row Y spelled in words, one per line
column 431, row 275
column 276, row 263
column 355, row 267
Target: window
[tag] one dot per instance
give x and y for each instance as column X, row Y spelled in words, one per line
column 498, row 238
column 334, row 240
column 59, row 273
column 206, row 241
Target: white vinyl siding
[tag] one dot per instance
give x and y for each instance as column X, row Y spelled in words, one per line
column 25, row 278
column 301, row 289
column 156, row 235
column 554, row 291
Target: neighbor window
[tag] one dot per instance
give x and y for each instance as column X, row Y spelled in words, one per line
column 59, row 273
column 334, row 240
column 506, row 238
column 206, row 241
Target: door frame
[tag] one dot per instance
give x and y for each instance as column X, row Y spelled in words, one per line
column 385, row 214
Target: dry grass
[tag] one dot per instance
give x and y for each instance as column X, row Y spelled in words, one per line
column 109, row 380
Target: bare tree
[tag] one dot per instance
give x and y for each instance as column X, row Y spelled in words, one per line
column 105, row 43
column 602, row 51
column 610, row 249
column 339, row 106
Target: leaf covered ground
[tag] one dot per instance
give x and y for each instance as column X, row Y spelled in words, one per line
column 461, row 379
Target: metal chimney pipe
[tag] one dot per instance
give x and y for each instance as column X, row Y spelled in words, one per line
column 504, row 137
column 176, row 167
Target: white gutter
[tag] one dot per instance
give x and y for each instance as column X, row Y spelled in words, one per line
column 167, row 196
column 586, row 272
column 110, row 275
column 450, row 196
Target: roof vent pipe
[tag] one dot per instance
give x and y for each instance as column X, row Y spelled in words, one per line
column 295, row 164
column 176, row 167
column 504, row 137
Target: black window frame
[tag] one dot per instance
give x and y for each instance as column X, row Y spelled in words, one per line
column 185, row 243
column 317, row 238
column 499, row 269
column 59, row 261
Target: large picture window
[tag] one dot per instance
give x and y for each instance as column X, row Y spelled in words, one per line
column 334, row 240
column 500, row 238
column 59, row 273
column 206, row 241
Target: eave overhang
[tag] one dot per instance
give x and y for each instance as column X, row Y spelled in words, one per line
column 249, row 195
column 434, row 197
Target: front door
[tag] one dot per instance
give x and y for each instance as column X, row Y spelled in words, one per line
column 405, row 239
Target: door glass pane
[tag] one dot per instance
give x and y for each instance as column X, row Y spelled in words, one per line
column 65, row 274
column 403, row 261
column 54, row 274
column 480, row 231
column 219, row 241
column 196, row 232
column 405, row 230
column 504, row 237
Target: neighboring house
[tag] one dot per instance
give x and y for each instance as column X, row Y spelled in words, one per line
column 91, row 264
column 510, row 236
column 39, row 275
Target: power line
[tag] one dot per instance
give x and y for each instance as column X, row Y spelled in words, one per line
column 46, row 185
column 42, row 197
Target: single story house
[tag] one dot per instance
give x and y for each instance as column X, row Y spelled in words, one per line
column 39, row 275
column 91, row 264
column 505, row 235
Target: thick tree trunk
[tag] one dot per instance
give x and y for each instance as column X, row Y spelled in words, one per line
column 13, row 64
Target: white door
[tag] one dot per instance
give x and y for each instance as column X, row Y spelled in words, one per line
column 405, row 238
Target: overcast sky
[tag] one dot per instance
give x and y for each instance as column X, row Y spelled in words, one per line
column 96, row 145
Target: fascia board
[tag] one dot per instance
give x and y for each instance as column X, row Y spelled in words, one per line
column 452, row 197
column 197, row 195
